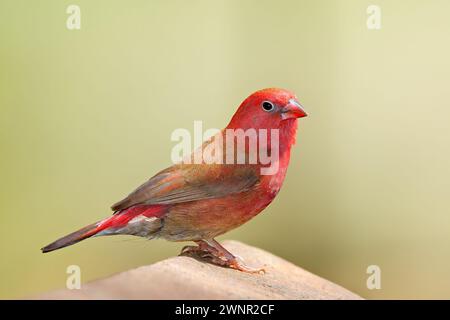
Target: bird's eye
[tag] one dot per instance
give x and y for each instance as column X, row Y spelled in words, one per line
column 268, row 106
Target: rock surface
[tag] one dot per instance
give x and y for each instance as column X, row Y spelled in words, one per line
column 187, row 278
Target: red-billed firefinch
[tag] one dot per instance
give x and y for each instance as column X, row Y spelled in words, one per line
column 193, row 201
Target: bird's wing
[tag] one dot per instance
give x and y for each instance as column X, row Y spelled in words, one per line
column 190, row 182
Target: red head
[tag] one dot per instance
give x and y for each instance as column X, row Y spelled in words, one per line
column 267, row 109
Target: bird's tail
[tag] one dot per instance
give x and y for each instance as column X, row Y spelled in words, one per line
column 114, row 225
column 73, row 238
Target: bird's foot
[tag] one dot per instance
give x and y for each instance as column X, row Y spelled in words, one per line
column 201, row 250
column 214, row 253
column 196, row 252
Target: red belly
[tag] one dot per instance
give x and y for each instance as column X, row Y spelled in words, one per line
column 209, row 218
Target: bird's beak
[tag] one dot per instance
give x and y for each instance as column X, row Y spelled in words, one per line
column 293, row 110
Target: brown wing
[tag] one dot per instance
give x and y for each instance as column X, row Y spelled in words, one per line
column 190, row 182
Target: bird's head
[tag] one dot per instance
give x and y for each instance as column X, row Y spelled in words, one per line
column 267, row 109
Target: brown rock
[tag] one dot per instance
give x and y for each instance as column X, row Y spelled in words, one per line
column 187, row 278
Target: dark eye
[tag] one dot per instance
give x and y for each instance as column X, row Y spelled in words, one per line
column 268, row 106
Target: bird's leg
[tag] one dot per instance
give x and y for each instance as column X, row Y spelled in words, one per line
column 210, row 249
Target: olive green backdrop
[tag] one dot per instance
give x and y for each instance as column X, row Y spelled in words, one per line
column 86, row 116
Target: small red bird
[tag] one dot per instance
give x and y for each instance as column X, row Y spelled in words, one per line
column 193, row 201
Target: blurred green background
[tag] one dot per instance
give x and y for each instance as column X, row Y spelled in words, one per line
column 86, row 116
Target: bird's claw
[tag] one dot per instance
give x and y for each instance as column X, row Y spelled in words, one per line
column 238, row 264
column 188, row 250
column 214, row 257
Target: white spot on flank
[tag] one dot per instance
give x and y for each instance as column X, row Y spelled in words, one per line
column 141, row 218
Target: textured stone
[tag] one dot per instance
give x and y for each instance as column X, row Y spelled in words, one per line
column 187, row 278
